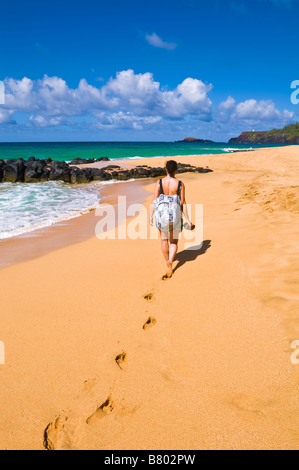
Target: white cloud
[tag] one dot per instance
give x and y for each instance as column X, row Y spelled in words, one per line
column 142, row 95
column 19, row 95
column 51, row 96
column 257, row 110
column 6, row 116
column 127, row 99
column 156, row 41
column 45, row 121
column 123, row 120
column 131, row 101
column 253, row 112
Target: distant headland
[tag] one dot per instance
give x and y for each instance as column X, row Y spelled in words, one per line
column 287, row 135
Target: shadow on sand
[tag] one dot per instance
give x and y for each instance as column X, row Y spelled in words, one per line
column 191, row 254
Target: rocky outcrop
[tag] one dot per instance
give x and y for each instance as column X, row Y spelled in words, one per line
column 82, row 161
column 192, row 140
column 14, row 171
column 2, row 163
column 34, row 170
column 60, row 171
column 289, row 135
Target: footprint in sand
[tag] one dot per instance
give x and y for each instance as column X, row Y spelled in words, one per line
column 149, row 297
column 121, row 361
column 51, row 435
column 105, row 409
column 249, row 404
column 150, row 323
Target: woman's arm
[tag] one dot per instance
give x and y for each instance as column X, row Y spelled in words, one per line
column 185, row 208
column 156, row 195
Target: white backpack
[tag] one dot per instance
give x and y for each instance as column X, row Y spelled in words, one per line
column 168, row 211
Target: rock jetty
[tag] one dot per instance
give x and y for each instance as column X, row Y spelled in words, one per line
column 34, row 170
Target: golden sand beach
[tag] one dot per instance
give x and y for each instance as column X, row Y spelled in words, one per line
column 103, row 354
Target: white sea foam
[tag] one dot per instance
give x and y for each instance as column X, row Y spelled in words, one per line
column 105, row 183
column 28, row 207
column 231, row 150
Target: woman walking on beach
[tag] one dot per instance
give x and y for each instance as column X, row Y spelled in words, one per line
column 169, row 205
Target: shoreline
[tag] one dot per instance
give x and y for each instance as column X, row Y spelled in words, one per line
column 29, row 245
column 61, row 182
column 39, row 242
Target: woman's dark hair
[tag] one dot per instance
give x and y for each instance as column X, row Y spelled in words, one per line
column 171, row 166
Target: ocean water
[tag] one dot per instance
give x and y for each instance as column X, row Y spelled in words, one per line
column 27, row 207
column 113, row 150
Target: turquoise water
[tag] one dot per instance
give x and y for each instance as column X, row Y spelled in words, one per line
column 28, row 207
column 113, row 150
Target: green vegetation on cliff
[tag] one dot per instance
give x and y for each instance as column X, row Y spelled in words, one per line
column 287, row 135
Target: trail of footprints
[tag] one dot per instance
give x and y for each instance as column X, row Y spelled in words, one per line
column 57, row 435
column 65, row 431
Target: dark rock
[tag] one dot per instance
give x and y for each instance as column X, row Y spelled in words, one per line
column 156, row 172
column 123, row 175
column 184, row 165
column 82, row 161
column 103, row 176
column 79, row 176
column 36, row 171
column 203, row 170
column 46, row 169
column 142, row 173
column 60, row 171
column 111, row 167
column 14, row 171
column 58, row 164
column 86, row 175
column 103, row 159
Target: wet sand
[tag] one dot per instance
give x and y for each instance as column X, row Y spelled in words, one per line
column 40, row 242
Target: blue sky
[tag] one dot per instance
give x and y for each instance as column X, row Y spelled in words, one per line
column 159, row 70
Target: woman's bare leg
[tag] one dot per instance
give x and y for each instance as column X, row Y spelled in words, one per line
column 171, row 252
column 173, row 249
column 165, row 251
column 164, row 246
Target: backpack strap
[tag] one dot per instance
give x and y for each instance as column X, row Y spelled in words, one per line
column 179, row 188
column 161, row 187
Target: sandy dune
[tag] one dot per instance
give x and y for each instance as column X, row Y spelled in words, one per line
column 103, row 354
